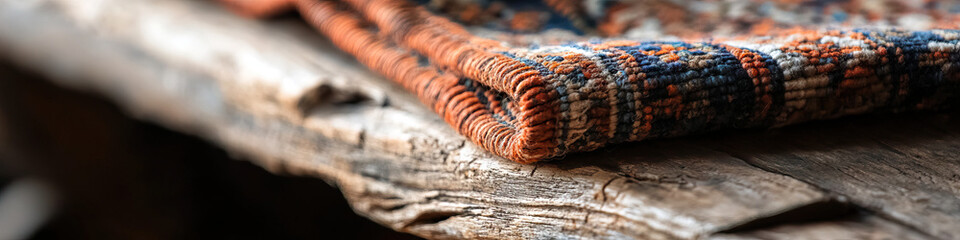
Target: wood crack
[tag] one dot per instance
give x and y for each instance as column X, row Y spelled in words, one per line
column 835, row 203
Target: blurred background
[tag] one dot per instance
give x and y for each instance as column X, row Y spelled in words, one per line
column 73, row 166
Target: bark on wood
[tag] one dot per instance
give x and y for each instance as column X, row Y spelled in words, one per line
column 278, row 93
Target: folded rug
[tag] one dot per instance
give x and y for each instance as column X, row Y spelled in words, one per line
column 533, row 87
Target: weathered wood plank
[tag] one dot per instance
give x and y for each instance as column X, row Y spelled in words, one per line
column 276, row 93
column 903, row 167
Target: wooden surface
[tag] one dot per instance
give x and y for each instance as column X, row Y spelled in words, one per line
column 277, row 93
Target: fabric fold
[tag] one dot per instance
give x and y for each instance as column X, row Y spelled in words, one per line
column 530, row 103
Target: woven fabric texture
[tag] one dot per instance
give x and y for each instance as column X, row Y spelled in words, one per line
column 534, row 93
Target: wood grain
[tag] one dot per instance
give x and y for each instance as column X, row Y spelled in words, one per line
column 279, row 94
column 905, row 167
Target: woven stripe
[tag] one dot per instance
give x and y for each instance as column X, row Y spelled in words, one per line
column 539, row 102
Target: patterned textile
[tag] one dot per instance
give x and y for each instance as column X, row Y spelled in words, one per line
column 527, row 83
